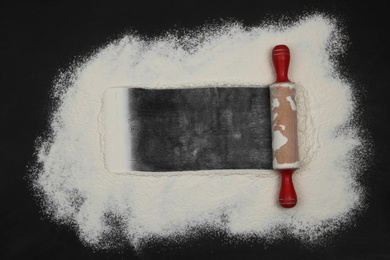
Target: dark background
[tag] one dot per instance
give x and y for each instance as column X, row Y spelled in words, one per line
column 38, row 38
column 190, row 130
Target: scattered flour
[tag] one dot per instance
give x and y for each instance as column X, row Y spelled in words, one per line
column 75, row 188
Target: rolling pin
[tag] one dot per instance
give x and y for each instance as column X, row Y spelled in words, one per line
column 284, row 126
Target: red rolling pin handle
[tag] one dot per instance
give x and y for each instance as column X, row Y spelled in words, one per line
column 281, row 60
column 287, row 196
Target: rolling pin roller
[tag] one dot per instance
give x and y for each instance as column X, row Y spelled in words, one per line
column 284, row 126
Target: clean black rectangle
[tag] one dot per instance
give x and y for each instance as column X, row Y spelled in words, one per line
column 200, row 128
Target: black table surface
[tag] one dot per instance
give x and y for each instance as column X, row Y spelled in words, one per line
column 40, row 37
column 200, row 129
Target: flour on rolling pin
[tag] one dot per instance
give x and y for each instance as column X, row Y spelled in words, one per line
column 284, row 126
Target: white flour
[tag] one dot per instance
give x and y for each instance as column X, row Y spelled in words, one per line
column 75, row 188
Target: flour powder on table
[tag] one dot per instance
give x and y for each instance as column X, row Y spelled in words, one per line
column 76, row 189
